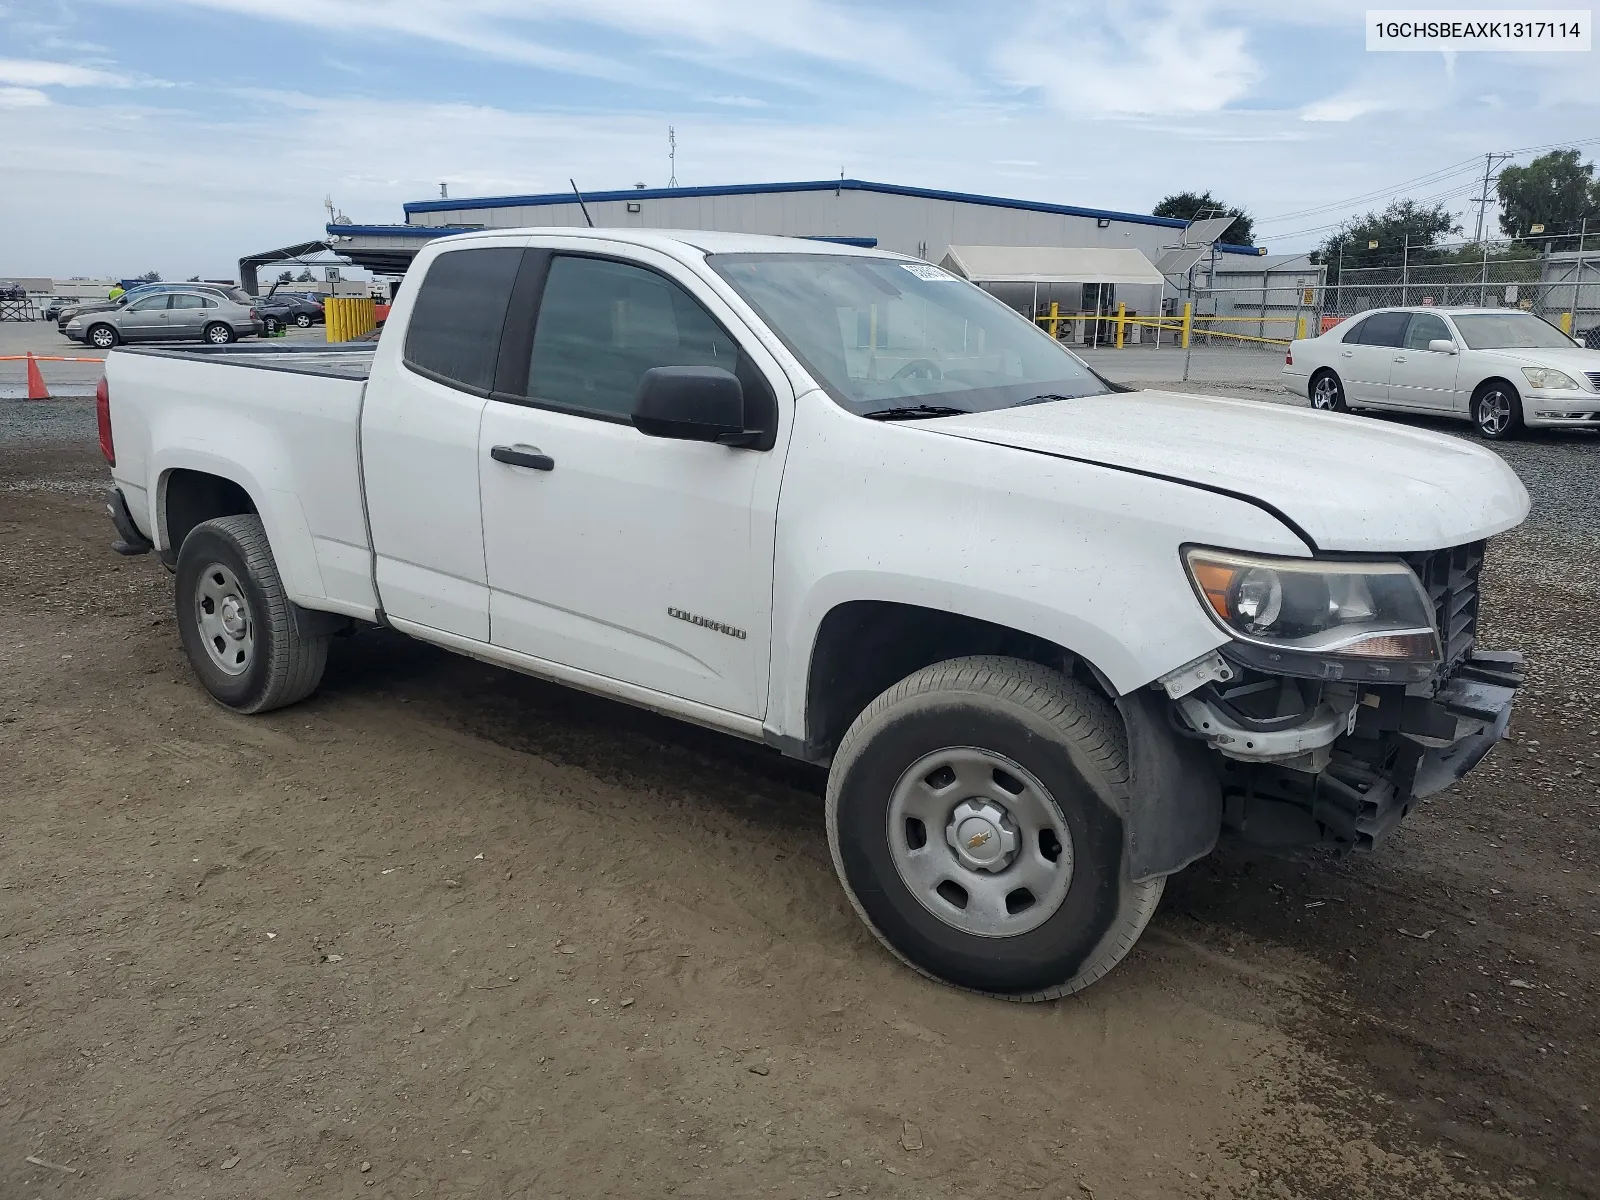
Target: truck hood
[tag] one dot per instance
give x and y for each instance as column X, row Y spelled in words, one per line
column 1346, row 483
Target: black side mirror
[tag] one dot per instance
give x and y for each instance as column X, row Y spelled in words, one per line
column 693, row 404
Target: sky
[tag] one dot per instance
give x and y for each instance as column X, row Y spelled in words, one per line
column 177, row 135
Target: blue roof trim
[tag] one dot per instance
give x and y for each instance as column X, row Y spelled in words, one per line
column 813, row 185
column 422, row 231
column 862, row 243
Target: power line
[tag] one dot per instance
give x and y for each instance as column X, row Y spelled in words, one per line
column 1438, row 176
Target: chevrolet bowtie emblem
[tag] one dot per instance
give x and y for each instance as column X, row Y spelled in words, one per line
column 978, row 839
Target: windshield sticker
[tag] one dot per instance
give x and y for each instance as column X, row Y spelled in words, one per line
column 928, row 272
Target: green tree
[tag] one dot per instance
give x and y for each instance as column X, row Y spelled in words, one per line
column 1188, row 206
column 149, row 277
column 1554, row 190
column 1404, row 223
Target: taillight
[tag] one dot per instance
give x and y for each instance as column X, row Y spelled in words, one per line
column 253, row 315
column 102, row 414
column 1288, row 358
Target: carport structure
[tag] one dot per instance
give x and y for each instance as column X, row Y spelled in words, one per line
column 250, row 266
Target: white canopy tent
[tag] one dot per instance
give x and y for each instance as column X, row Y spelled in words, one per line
column 1047, row 266
column 1051, row 264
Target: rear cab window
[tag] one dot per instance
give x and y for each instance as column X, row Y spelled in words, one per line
column 454, row 333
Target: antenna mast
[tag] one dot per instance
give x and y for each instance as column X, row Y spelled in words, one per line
column 672, row 157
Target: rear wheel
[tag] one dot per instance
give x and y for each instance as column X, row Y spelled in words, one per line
column 303, row 320
column 1497, row 411
column 237, row 624
column 1327, row 392
column 219, row 333
column 973, row 818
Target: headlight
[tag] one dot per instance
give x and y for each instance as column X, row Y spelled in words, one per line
column 1317, row 617
column 1550, row 378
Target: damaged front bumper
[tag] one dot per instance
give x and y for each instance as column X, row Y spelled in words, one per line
column 1354, row 760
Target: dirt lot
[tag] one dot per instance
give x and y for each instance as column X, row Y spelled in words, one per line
column 444, row 931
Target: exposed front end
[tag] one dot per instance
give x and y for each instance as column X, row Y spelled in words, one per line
column 1330, row 735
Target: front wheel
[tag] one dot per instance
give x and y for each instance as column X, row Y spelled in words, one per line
column 103, row 337
column 1497, row 411
column 973, row 814
column 1327, row 393
column 219, row 333
column 236, row 622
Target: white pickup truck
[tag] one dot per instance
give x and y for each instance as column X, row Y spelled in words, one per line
column 1049, row 635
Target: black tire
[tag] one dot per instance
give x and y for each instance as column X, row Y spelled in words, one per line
column 1497, row 411
column 1326, row 392
column 102, row 336
column 284, row 665
column 219, row 333
column 303, row 320
column 1072, row 742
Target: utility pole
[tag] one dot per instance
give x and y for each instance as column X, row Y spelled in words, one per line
column 672, row 156
column 1490, row 162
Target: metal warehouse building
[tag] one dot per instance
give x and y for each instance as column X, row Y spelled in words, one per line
column 916, row 221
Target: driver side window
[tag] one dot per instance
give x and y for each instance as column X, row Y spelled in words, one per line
column 149, row 303
column 603, row 324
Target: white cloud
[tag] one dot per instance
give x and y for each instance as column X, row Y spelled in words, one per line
column 30, row 72
column 727, row 34
column 20, row 97
column 1137, row 58
column 736, row 101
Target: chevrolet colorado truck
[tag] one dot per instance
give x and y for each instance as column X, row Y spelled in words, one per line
column 1049, row 636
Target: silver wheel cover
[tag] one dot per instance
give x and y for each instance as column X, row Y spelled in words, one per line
column 222, row 614
column 980, row 842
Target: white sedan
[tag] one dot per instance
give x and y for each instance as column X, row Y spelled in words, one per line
column 1499, row 368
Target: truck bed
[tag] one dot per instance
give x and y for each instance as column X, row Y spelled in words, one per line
column 341, row 360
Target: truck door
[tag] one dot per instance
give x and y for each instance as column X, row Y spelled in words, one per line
column 419, row 442
column 635, row 558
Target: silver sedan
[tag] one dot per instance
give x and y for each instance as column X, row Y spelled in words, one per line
column 167, row 316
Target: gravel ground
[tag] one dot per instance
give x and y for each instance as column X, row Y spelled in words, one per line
column 446, row 931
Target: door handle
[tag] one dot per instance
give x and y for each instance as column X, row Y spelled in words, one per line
column 523, row 456
column 1399, row 358
column 1347, row 354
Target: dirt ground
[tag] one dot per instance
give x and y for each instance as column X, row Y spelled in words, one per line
column 445, row 931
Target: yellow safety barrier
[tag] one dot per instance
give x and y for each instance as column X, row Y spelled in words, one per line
column 1566, row 323
column 1186, row 326
column 349, row 317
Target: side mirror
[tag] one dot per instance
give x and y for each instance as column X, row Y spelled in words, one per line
column 1442, row 346
column 692, row 404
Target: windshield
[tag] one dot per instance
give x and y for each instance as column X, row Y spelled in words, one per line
column 880, row 334
column 1510, row 331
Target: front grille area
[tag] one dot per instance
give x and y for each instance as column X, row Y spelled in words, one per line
column 1594, row 378
column 1450, row 578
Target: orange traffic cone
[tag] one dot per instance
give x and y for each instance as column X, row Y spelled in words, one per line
column 36, row 387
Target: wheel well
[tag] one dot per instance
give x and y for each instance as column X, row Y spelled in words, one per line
column 866, row 646
column 191, row 497
column 1478, row 391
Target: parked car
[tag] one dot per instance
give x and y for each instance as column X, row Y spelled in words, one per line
column 80, row 308
column 286, row 308
column 1049, row 636
column 167, row 316
column 50, row 307
column 1499, row 368
column 12, row 291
